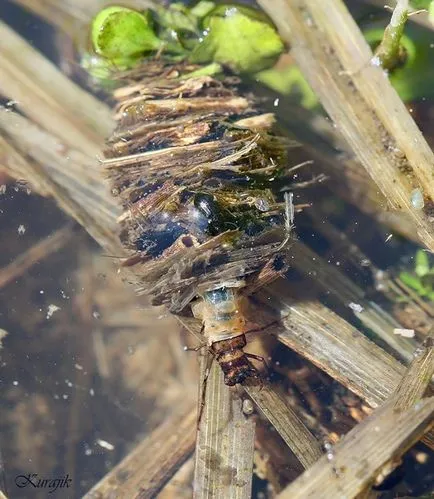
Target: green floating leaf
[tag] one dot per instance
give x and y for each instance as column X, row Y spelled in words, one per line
column 413, row 282
column 421, row 266
column 289, row 81
column 420, row 4
column 239, row 37
column 202, row 8
column 179, row 28
column 120, row 34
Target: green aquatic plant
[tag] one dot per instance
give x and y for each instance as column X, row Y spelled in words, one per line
column 123, row 35
column 421, row 279
column 289, row 81
column 390, row 53
column 412, row 79
column 239, row 37
column 243, row 39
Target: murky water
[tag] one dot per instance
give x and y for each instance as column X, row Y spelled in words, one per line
column 88, row 368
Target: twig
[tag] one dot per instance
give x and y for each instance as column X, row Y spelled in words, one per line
column 333, row 55
column 224, row 448
column 298, row 438
column 72, row 179
column 78, row 119
column 418, row 376
column 355, row 461
column 335, row 282
column 154, row 461
column 36, row 253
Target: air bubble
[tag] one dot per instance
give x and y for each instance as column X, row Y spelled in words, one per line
column 417, row 200
column 248, row 407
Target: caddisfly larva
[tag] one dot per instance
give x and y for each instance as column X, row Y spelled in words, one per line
column 201, row 175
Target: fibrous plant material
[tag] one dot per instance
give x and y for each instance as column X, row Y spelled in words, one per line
column 225, row 443
column 356, row 461
column 51, row 108
column 194, row 183
column 107, row 202
column 35, row 254
column 144, row 472
column 335, row 59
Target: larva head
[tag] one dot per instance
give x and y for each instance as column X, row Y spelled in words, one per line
column 239, row 371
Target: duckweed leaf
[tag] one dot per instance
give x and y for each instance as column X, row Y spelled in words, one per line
column 120, row 33
column 421, row 266
column 420, row 4
column 289, row 81
column 238, row 37
column 413, row 282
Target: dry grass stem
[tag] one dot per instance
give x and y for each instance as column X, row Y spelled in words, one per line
column 337, row 283
column 336, row 60
column 418, row 376
column 339, row 349
column 286, row 422
column 18, row 166
column 225, row 442
column 70, row 176
column 346, row 176
column 180, row 486
column 356, row 460
column 145, row 471
column 47, row 96
column 35, row 254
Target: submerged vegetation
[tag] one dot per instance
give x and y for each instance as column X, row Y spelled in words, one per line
column 236, row 36
column 422, row 277
column 202, row 170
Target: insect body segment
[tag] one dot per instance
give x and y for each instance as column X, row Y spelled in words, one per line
column 233, row 361
column 222, row 315
column 224, row 328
